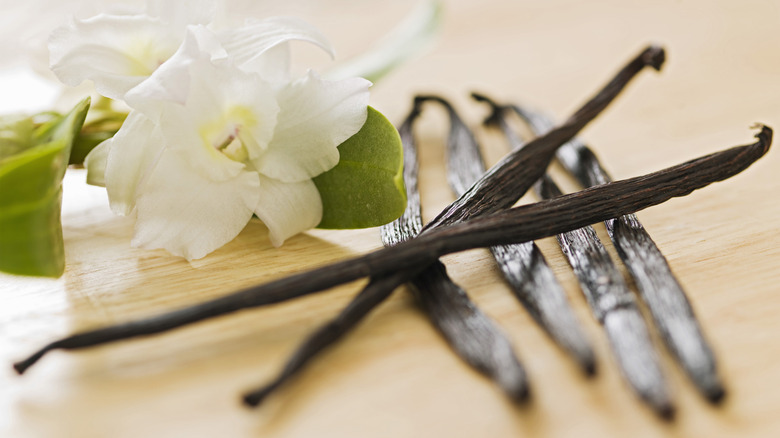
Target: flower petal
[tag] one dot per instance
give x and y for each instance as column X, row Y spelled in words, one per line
column 273, row 65
column 316, row 116
column 249, row 43
column 115, row 52
column 171, row 81
column 223, row 101
column 134, row 151
column 190, row 215
column 288, row 208
column 95, row 162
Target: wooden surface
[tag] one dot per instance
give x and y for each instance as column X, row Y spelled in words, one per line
column 394, row 376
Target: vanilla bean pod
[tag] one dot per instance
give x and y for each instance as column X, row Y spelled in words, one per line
column 377, row 290
column 614, row 306
column 483, row 201
column 520, row 169
column 523, row 265
column 612, row 302
column 516, row 225
column 668, row 304
column 470, row 333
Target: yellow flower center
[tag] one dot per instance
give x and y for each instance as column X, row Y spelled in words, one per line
column 228, row 135
column 147, row 54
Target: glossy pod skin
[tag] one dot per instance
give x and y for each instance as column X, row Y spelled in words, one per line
column 523, row 265
column 611, row 301
column 668, row 304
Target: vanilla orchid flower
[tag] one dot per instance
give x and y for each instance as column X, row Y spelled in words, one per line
column 209, row 144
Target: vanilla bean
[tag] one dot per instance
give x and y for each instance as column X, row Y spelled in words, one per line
column 607, row 293
column 508, row 180
column 668, row 304
column 470, row 333
column 516, row 225
column 374, row 293
column 652, row 56
column 523, row 265
column 615, row 307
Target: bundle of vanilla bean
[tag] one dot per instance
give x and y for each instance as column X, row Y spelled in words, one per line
column 483, row 216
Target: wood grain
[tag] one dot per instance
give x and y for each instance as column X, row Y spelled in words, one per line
column 394, row 376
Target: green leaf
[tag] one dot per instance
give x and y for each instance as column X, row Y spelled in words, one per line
column 31, row 197
column 15, row 134
column 103, row 121
column 366, row 188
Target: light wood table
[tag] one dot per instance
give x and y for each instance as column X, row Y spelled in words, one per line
column 394, row 376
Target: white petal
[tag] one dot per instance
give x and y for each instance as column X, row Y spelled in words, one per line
column 273, row 65
column 189, row 215
column 221, row 98
column 316, row 116
column 171, row 81
column 115, row 52
column 95, row 162
column 135, row 149
column 288, row 208
column 248, row 44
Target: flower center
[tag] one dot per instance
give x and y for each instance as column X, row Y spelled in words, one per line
column 233, row 148
column 147, row 54
column 230, row 134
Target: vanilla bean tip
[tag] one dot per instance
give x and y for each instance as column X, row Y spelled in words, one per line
column 495, row 113
column 590, row 368
column 521, row 395
column 413, row 114
column 22, row 366
column 764, row 134
column 253, row 399
column 421, row 98
column 715, row 394
column 666, row 412
column 654, row 56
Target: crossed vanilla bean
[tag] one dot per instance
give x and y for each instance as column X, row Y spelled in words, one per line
column 470, row 333
column 657, row 285
column 612, row 302
column 511, row 177
column 523, row 265
column 520, row 224
column 377, row 290
column 445, row 303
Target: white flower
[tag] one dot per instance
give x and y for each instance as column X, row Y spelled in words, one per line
column 208, row 144
column 118, row 52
